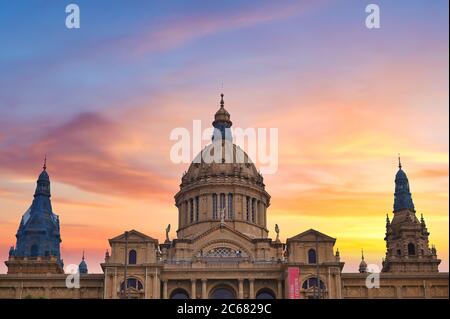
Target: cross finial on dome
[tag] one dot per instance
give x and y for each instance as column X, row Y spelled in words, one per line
column 399, row 162
column 45, row 163
column 222, row 103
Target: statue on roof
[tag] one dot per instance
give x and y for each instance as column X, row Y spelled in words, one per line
column 167, row 233
column 277, row 230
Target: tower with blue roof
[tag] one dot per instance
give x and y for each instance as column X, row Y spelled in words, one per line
column 38, row 237
column 408, row 249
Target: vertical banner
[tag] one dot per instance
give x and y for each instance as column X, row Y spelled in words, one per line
column 293, row 280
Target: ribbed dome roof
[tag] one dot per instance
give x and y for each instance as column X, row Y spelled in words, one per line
column 222, row 115
column 237, row 163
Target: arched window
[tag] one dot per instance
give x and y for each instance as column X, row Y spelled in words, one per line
column 230, row 206
column 197, row 204
column 222, row 201
column 191, row 210
column 411, row 249
column 312, row 258
column 214, row 203
column 248, row 208
column 132, row 283
column 312, row 282
column 253, row 210
column 34, row 250
column 265, row 294
column 179, row 294
column 132, row 256
column 186, row 212
column 223, row 293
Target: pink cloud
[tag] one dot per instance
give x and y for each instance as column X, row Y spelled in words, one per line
column 81, row 153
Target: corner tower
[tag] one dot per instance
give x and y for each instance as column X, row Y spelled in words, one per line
column 38, row 237
column 406, row 236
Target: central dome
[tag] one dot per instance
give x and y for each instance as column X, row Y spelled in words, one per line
column 232, row 162
column 222, row 186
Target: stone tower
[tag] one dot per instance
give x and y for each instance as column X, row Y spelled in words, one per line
column 38, row 237
column 406, row 236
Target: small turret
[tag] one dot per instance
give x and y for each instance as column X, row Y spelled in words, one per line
column 222, row 123
column 82, row 267
column 362, row 264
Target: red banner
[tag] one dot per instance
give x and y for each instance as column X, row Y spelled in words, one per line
column 294, row 282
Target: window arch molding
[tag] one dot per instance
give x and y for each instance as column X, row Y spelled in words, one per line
column 179, row 293
column 223, row 243
column 265, row 293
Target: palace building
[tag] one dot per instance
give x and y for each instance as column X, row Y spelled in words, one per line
column 222, row 248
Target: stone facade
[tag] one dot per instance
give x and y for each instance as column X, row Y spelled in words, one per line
column 222, row 247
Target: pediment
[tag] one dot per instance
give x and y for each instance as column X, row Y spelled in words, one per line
column 133, row 236
column 222, row 231
column 312, row 235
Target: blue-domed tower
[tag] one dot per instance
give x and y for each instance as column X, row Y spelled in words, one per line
column 38, row 236
column 82, row 267
column 407, row 246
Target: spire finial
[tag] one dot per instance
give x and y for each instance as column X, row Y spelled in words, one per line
column 45, row 163
column 362, row 254
column 222, row 103
column 399, row 162
column 82, row 258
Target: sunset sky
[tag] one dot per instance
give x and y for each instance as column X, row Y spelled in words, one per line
column 101, row 101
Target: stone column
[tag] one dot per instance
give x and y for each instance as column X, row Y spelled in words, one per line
column 155, row 285
column 180, row 210
column 165, row 289
column 146, row 284
column 241, row 289
column 338, row 286
column 265, row 216
column 280, row 289
column 252, row 289
column 114, row 287
column 105, row 283
column 204, row 207
column 204, row 295
column 243, row 206
column 193, row 289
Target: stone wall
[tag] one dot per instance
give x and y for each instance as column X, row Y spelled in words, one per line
column 49, row 286
column 417, row 286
